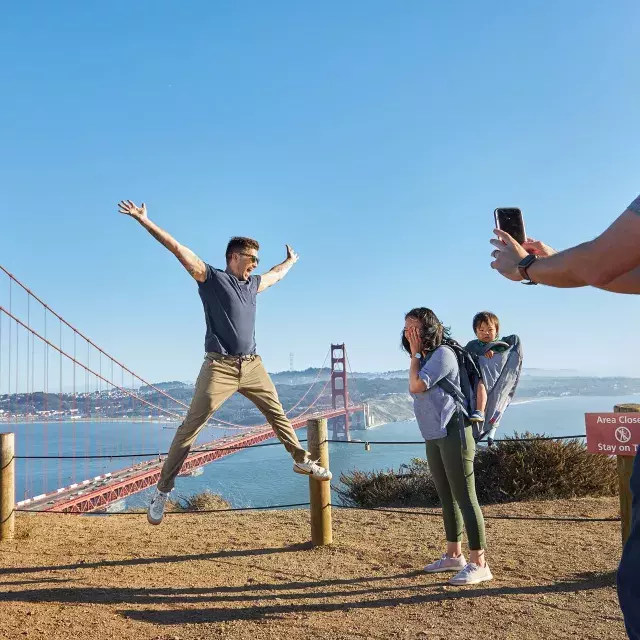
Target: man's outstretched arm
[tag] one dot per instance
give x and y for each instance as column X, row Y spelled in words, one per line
column 187, row 258
column 626, row 283
column 610, row 262
column 279, row 271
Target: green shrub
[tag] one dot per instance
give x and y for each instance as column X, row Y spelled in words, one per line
column 510, row 471
column 542, row 470
column 388, row 489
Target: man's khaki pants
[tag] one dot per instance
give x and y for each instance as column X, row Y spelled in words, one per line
column 219, row 378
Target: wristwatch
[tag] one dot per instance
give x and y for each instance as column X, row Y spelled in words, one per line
column 417, row 355
column 523, row 268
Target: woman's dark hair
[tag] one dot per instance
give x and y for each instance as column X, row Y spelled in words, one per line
column 433, row 332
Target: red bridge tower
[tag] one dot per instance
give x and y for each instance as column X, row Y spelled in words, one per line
column 339, row 391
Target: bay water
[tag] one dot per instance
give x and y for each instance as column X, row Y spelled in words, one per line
column 260, row 476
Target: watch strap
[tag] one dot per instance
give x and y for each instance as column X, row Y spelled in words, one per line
column 523, row 268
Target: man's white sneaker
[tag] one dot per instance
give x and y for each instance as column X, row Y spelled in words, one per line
column 313, row 469
column 472, row 574
column 446, row 563
column 156, row 507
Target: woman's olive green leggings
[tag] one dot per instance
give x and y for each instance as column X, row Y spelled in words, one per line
column 452, row 469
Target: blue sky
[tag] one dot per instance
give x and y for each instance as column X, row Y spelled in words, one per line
column 375, row 137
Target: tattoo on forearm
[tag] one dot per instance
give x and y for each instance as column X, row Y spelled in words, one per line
column 160, row 236
column 189, row 266
column 192, row 263
column 281, row 269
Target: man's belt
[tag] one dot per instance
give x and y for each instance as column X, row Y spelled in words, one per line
column 241, row 358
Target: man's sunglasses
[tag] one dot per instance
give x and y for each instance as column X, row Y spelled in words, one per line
column 254, row 259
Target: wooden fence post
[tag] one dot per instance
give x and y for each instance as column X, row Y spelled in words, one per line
column 319, row 492
column 625, row 467
column 7, row 486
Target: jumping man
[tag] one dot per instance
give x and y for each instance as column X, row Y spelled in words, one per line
column 230, row 363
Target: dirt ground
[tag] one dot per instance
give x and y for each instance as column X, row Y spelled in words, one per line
column 254, row 576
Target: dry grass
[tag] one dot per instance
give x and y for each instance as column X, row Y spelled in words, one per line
column 252, row 576
column 203, row 501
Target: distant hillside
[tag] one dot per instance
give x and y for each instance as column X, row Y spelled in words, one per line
column 309, row 375
column 386, row 393
column 553, row 373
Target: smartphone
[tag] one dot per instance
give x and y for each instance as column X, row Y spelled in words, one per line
column 510, row 219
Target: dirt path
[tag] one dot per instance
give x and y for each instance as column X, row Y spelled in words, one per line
column 252, row 576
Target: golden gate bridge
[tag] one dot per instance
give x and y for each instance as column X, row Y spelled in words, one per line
column 59, row 390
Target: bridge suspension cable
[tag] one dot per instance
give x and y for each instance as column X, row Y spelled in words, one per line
column 42, row 348
column 288, row 411
column 78, row 333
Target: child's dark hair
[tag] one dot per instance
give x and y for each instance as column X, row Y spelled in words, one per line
column 432, row 331
column 488, row 317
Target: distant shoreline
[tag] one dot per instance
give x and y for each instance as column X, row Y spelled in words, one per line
column 545, row 398
column 172, row 421
column 87, row 421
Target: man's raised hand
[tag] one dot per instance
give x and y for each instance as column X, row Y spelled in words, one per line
column 507, row 255
column 538, row 248
column 128, row 208
column 292, row 256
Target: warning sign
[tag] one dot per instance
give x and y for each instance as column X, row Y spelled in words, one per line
column 614, row 434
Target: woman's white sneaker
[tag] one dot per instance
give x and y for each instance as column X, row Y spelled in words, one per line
column 446, row 563
column 472, row 574
column 313, row 469
column 156, row 507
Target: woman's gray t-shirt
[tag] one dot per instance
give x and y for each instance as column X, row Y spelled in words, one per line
column 434, row 408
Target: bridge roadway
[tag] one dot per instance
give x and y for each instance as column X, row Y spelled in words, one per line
column 93, row 494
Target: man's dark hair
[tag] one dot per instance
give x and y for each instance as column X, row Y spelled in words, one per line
column 488, row 317
column 238, row 244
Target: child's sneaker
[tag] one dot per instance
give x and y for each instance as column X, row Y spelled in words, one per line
column 446, row 563
column 472, row 574
column 477, row 416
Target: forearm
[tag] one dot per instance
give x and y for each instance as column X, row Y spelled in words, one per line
column 627, row 283
column 571, row 269
column 563, row 269
column 189, row 260
column 599, row 263
column 278, row 272
column 416, row 384
column 161, row 235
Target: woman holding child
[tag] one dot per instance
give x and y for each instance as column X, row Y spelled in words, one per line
column 450, row 460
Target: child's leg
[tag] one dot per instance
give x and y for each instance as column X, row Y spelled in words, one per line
column 481, row 403
column 481, row 397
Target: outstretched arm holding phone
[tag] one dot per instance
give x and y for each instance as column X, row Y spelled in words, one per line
column 610, row 262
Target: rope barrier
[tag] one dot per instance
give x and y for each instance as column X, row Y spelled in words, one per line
column 154, row 454
column 168, row 513
column 382, row 442
column 499, row 517
column 275, row 444
column 404, row 512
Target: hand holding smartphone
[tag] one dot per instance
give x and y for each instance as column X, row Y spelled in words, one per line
column 510, row 220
